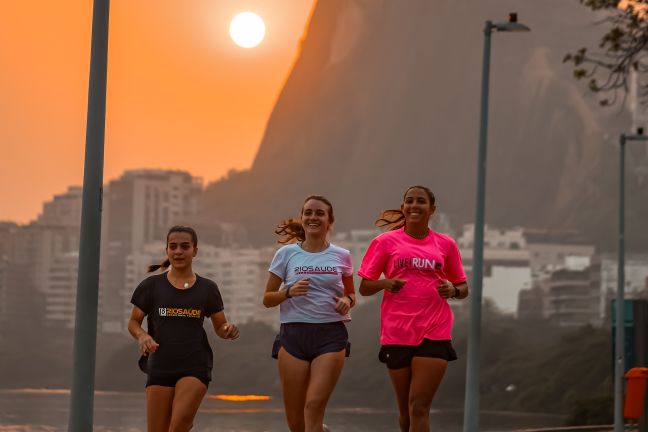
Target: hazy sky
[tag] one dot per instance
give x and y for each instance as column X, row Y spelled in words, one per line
column 181, row 94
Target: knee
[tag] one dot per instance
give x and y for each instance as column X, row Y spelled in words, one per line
column 315, row 406
column 419, row 408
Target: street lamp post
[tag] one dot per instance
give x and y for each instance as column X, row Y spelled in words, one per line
column 619, row 351
column 85, row 325
column 471, row 409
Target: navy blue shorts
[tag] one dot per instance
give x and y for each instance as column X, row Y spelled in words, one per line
column 171, row 379
column 306, row 341
column 400, row 356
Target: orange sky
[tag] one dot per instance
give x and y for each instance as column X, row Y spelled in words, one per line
column 181, row 94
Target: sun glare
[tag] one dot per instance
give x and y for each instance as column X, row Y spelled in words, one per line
column 247, row 29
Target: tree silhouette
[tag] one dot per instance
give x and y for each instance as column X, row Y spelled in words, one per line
column 621, row 50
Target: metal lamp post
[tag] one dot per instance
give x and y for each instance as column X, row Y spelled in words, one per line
column 85, row 325
column 471, row 409
column 619, row 351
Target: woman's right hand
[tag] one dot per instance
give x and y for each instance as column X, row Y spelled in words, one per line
column 299, row 288
column 147, row 344
column 393, row 285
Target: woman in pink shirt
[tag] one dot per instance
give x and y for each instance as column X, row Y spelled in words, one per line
column 422, row 271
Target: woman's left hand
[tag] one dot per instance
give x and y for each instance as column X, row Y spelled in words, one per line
column 446, row 289
column 342, row 305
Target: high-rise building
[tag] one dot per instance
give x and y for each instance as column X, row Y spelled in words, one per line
column 63, row 209
column 139, row 208
column 60, row 291
column 572, row 295
column 636, row 279
column 26, row 254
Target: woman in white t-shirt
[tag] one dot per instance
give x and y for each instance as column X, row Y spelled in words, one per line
column 314, row 301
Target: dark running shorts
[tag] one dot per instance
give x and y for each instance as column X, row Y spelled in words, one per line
column 306, row 341
column 400, row 356
column 171, row 379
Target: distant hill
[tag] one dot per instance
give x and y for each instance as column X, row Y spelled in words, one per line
column 386, row 94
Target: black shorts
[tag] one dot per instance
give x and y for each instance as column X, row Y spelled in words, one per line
column 306, row 341
column 400, row 356
column 171, row 379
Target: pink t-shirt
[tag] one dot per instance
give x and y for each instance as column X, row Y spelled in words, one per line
column 417, row 311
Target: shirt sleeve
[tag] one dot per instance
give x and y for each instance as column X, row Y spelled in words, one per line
column 278, row 264
column 214, row 302
column 143, row 295
column 454, row 270
column 374, row 261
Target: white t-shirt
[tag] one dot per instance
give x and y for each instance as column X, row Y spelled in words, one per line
column 325, row 270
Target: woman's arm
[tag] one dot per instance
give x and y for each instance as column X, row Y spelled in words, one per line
column 371, row 287
column 447, row 290
column 224, row 329
column 146, row 343
column 273, row 297
column 344, row 304
column 463, row 290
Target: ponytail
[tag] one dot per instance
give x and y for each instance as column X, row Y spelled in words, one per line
column 392, row 219
column 290, row 231
column 155, row 267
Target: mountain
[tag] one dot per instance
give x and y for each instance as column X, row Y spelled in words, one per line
column 386, row 94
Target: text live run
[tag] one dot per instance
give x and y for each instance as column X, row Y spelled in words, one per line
column 419, row 263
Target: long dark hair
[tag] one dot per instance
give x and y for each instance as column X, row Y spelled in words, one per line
column 394, row 218
column 177, row 228
column 291, row 230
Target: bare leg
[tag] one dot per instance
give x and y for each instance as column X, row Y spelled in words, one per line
column 189, row 393
column 294, row 374
column 426, row 377
column 324, row 373
column 159, row 400
column 400, row 379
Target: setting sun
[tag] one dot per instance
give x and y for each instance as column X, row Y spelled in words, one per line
column 247, row 29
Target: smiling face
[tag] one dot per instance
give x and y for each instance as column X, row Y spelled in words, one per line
column 417, row 207
column 180, row 250
column 316, row 218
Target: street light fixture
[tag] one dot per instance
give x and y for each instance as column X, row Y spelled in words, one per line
column 619, row 351
column 471, row 409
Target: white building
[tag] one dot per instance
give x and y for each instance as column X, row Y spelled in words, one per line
column 507, row 269
column 636, row 279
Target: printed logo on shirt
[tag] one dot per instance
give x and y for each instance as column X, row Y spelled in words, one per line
column 300, row 270
column 423, row 264
column 179, row 312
